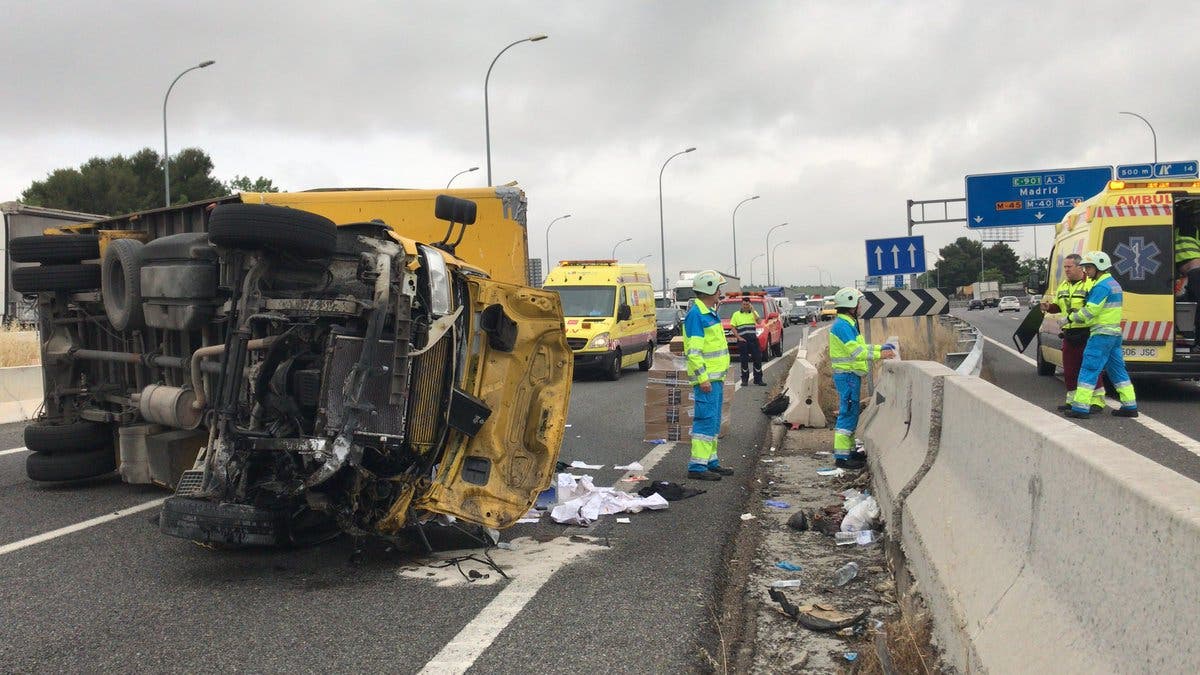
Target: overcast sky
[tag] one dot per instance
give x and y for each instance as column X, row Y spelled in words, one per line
column 834, row 112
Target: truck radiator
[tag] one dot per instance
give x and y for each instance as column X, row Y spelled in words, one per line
column 431, row 379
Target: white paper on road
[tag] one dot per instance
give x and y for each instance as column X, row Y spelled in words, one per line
column 581, row 502
column 580, row 465
column 632, row 466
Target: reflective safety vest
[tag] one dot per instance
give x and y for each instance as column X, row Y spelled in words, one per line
column 847, row 351
column 1103, row 310
column 1187, row 247
column 704, row 344
column 1072, row 296
column 745, row 323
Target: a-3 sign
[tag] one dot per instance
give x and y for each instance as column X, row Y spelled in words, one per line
column 898, row 255
column 1030, row 197
column 896, row 302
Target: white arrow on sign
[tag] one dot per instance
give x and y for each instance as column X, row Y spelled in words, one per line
column 879, row 257
column 895, row 257
column 978, row 219
column 1038, row 215
column 912, row 255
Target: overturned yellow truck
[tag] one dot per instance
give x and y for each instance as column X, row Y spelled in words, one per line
column 298, row 365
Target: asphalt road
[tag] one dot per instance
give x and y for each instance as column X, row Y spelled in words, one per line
column 119, row 596
column 1166, row 432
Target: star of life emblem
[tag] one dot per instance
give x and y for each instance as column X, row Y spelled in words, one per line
column 1136, row 259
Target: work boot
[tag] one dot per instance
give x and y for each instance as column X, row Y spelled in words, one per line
column 721, row 470
column 1096, row 407
column 1064, row 407
column 746, row 383
column 1078, row 415
column 704, row 475
column 1125, row 412
column 760, row 383
column 854, row 462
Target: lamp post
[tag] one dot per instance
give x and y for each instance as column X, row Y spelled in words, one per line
column 487, row 122
column 548, row 238
column 773, row 266
column 769, row 249
column 735, row 210
column 614, row 252
column 1153, row 135
column 662, row 235
column 760, row 255
column 166, row 154
column 474, row 168
column 648, row 255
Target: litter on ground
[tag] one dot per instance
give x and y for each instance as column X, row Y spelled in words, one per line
column 776, row 504
column 747, row 516
column 632, row 466
column 582, row 465
column 581, row 502
column 831, row 472
column 622, row 520
column 788, row 566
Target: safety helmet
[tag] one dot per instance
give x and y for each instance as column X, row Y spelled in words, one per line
column 1098, row 259
column 707, row 282
column 847, row 298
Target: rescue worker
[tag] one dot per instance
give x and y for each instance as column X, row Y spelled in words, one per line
column 1072, row 295
column 850, row 357
column 1102, row 314
column 745, row 322
column 707, row 360
column 1187, row 265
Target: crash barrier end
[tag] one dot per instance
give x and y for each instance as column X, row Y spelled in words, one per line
column 1022, row 528
column 969, row 362
column 804, row 410
column 20, row 393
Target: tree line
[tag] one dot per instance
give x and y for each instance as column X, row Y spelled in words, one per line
column 960, row 265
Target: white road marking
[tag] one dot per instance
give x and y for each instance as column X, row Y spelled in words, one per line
column 1183, row 440
column 13, row 451
column 77, row 527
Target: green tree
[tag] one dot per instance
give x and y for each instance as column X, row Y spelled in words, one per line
column 1030, row 266
column 119, row 184
column 247, row 184
column 960, row 264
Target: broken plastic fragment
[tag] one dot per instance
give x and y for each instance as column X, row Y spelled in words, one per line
column 851, row 656
column 785, row 565
column 622, row 520
column 831, row 472
column 775, row 504
column 632, row 466
column 581, row 465
column 658, row 441
column 747, row 516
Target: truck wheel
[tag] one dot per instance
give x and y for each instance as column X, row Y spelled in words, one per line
column 121, row 284
column 274, row 228
column 62, row 248
column 612, row 369
column 1044, row 367
column 648, row 362
column 51, row 278
column 45, row 467
column 67, row 438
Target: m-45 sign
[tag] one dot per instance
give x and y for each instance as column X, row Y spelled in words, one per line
column 898, row 255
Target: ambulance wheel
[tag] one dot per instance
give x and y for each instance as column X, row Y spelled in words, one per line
column 1044, row 367
column 612, row 369
column 648, row 362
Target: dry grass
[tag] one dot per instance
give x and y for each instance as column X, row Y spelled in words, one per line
column 18, row 347
column 908, row 649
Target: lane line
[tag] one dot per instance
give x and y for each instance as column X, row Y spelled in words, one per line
column 1178, row 438
column 13, row 451
column 77, row 527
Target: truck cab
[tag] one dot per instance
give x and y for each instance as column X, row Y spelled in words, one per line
column 770, row 322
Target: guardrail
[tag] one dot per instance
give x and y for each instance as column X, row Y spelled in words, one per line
column 968, row 362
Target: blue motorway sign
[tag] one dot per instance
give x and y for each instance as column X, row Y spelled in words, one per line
column 898, row 282
column 1030, row 197
column 1175, row 169
column 1135, row 171
column 898, row 255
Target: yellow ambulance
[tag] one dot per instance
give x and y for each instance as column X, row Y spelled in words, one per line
column 608, row 308
column 1134, row 223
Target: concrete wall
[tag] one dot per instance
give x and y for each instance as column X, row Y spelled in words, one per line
column 20, row 393
column 1037, row 544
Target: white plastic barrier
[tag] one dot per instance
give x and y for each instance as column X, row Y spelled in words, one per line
column 20, row 393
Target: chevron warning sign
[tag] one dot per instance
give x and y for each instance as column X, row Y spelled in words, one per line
column 893, row 303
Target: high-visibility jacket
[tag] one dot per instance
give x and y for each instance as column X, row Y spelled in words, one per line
column 745, row 323
column 1072, row 295
column 1187, row 247
column 704, row 344
column 847, row 351
column 1103, row 310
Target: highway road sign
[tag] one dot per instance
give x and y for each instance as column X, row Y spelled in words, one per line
column 1030, row 197
column 898, row 282
column 898, row 255
column 1176, row 169
column 1135, row 171
column 894, row 303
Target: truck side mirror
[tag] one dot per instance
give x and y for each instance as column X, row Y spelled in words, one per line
column 624, row 312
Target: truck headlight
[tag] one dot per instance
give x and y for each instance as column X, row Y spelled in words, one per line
column 439, row 281
column 599, row 342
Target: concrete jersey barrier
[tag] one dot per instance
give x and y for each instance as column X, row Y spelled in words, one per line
column 20, row 393
column 1037, row 544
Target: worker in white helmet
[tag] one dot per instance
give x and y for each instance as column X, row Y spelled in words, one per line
column 850, row 357
column 707, row 360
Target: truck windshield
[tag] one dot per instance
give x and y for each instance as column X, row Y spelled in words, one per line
column 591, row 301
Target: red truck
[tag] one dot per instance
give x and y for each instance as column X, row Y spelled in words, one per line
column 770, row 324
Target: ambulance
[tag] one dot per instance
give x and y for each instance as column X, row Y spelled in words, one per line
column 1133, row 222
column 608, row 308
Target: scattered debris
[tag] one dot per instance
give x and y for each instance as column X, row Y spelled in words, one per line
column 582, row 502
column 747, row 516
column 776, row 504
column 845, row 574
column 851, row 656
column 632, row 466
column 861, row 512
column 798, row 521
column 830, row 472
column 787, row 583
column 672, row 492
column 634, row 479
column 815, row 616
column 785, row 565
column 583, row 465
column 657, row 441
column 622, row 520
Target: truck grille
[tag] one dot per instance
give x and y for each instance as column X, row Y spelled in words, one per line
column 576, row 343
column 427, row 402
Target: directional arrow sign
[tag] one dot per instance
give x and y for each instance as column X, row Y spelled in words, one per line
column 894, row 303
column 1030, row 197
column 886, row 256
column 1175, row 169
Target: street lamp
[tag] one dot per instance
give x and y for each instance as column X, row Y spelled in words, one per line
column 548, row 238
column 487, row 123
column 614, row 253
column 821, row 271
column 769, row 248
column 662, row 234
column 1153, row 135
column 785, row 241
column 760, row 255
column 735, row 209
column 166, row 154
column 474, row 168
column 648, row 255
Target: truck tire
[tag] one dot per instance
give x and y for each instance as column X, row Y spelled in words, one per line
column 49, row 468
column 63, row 248
column 72, row 437
column 52, row 278
column 612, row 369
column 274, row 228
column 121, row 284
column 648, row 362
column 1044, row 367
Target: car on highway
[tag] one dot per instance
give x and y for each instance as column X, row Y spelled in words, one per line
column 828, row 310
column 1034, row 300
column 769, row 328
column 1010, row 303
column 974, row 303
column 799, row 313
column 991, row 302
column 670, row 323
